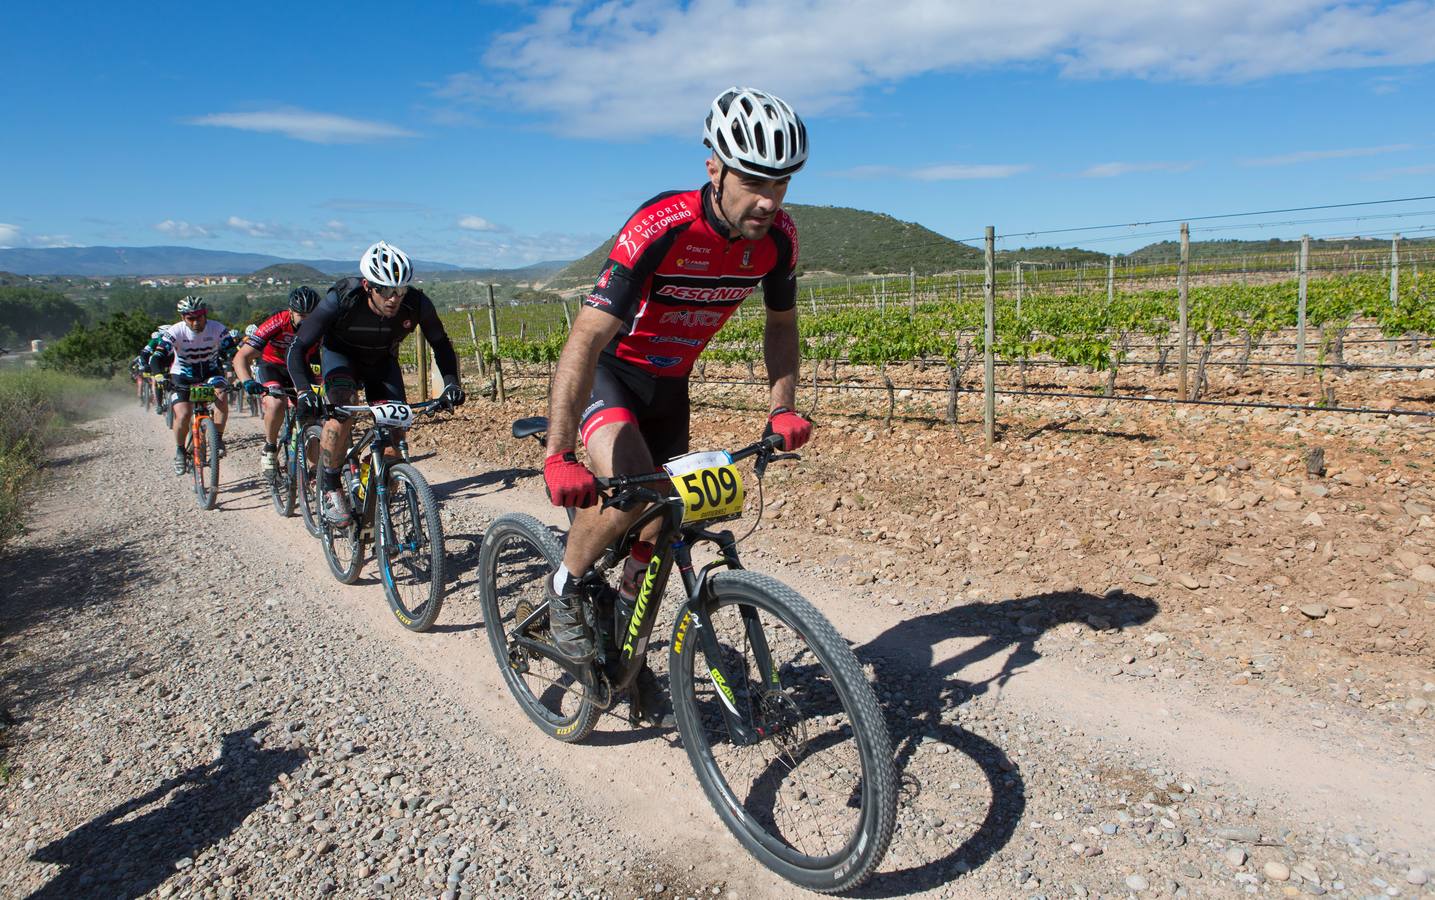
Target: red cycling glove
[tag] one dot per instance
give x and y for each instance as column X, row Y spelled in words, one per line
column 568, row 481
column 793, row 427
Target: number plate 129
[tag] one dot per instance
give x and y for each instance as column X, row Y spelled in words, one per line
column 709, row 484
column 400, row 415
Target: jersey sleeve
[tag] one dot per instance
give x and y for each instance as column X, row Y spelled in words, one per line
column 779, row 287
column 266, row 330
column 437, row 336
column 310, row 332
column 636, row 253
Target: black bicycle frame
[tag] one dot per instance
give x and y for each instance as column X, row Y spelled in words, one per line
column 674, row 545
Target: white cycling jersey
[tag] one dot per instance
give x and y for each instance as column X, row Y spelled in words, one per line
column 195, row 350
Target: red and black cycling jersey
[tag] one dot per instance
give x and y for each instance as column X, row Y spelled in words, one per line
column 273, row 336
column 674, row 277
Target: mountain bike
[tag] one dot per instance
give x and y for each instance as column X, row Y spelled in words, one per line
column 284, row 480
column 146, row 391
column 202, row 447
column 779, row 723
column 394, row 509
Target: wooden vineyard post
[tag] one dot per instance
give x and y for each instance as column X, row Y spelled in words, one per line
column 1301, row 267
column 1016, row 277
column 567, row 316
column 473, row 338
column 912, row 288
column 989, row 396
column 1182, row 291
column 493, row 345
column 1110, row 280
column 812, row 299
column 1394, row 271
column 421, row 362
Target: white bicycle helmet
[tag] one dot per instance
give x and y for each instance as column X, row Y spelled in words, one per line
column 386, row 265
column 250, row 329
column 756, row 133
column 191, row 304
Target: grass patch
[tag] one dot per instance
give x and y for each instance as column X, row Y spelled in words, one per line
column 37, row 408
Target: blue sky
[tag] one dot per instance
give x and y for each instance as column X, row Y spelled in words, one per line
column 502, row 133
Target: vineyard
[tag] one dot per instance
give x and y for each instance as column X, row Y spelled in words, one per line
column 1076, row 331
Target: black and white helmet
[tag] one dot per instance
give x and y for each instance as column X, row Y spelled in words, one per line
column 192, row 304
column 386, row 265
column 756, row 133
column 303, row 299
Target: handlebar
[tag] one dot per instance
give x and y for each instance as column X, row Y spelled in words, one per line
column 626, row 491
column 343, row 413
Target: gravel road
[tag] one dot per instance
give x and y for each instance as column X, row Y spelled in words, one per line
column 193, row 707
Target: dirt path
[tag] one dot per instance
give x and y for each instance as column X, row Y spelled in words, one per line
column 296, row 741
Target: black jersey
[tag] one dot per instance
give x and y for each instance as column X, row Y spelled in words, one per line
column 345, row 323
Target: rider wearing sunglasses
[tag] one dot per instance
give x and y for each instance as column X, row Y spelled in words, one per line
column 358, row 327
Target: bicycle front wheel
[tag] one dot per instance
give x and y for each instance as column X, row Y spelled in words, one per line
column 516, row 560
column 281, row 484
column 306, row 470
column 410, row 549
column 206, row 465
column 812, row 792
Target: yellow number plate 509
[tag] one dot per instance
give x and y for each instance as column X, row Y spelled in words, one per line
column 709, row 484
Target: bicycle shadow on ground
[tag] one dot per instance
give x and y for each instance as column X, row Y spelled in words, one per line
column 128, row 853
column 472, row 485
column 461, row 564
column 924, row 693
column 46, row 585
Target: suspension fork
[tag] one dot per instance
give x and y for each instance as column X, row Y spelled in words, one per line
column 695, row 624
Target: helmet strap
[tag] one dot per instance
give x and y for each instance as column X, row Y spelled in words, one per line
column 717, row 200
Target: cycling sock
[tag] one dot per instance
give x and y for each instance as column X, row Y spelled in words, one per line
column 560, row 579
column 329, row 478
column 270, row 448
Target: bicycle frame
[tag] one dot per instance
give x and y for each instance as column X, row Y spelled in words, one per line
column 674, row 545
column 373, row 442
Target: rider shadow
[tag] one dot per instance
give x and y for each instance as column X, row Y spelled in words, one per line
column 460, row 488
column 906, row 655
column 128, row 853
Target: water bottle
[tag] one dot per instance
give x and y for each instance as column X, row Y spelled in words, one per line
column 632, row 581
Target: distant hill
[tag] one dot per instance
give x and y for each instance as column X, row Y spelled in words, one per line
column 9, row 278
column 139, row 261
column 1168, row 250
column 837, row 239
column 296, row 272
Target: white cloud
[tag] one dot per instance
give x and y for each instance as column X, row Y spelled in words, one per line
column 305, row 125
column 1405, row 171
column 1305, row 156
column 253, row 229
column 617, row 68
column 1114, row 169
column 183, row 230
column 939, row 172
column 477, row 223
column 9, row 234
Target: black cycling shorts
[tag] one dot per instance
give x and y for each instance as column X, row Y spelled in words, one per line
column 273, row 375
column 180, row 383
column 382, row 380
column 658, row 406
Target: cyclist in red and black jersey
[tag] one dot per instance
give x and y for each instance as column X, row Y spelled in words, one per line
column 270, row 342
column 679, row 268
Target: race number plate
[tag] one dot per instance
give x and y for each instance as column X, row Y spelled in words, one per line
column 201, row 393
column 709, row 484
column 399, row 415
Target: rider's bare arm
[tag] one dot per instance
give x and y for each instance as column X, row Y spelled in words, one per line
column 573, row 380
column 242, row 359
column 780, row 352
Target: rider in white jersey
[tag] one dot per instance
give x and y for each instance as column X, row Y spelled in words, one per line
column 196, row 350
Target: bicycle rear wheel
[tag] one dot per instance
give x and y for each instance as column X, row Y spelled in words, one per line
column 517, row 558
column 410, row 549
column 206, row 465
column 306, row 470
column 813, row 796
column 344, row 546
column 146, row 394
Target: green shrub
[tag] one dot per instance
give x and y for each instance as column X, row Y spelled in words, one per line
column 101, row 350
column 35, row 408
